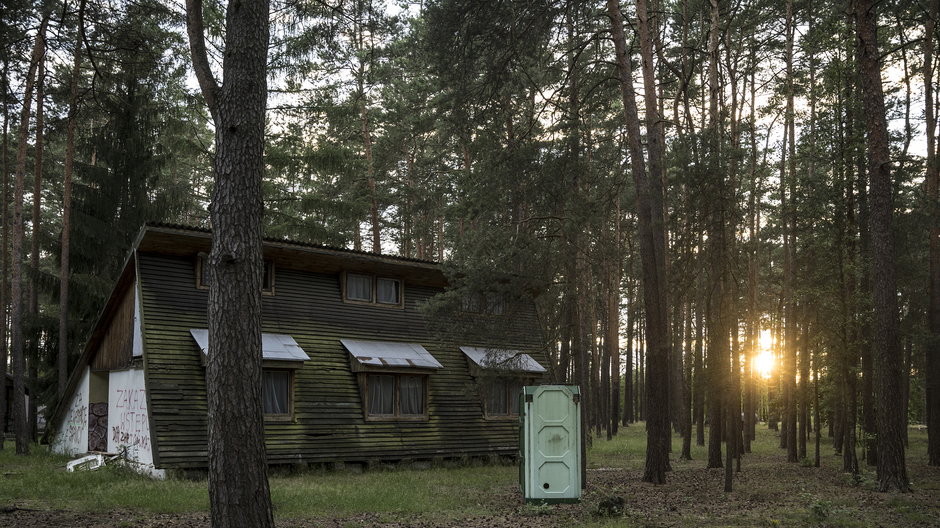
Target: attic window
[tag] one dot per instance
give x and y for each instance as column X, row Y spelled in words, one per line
column 489, row 303
column 370, row 289
column 203, row 278
column 393, row 378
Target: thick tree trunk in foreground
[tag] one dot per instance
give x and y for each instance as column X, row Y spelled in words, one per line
column 238, row 482
column 886, row 343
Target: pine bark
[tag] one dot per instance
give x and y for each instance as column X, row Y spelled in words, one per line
column 238, row 483
column 886, row 344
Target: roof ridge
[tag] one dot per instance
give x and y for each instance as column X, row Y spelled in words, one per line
column 199, row 229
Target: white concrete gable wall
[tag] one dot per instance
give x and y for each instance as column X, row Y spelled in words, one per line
column 72, row 436
column 128, row 421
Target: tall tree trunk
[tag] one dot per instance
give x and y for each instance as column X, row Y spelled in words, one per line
column 32, row 318
column 238, row 481
column 789, row 261
column 4, row 246
column 803, row 435
column 886, row 345
column 684, row 389
column 370, row 175
column 698, row 392
column 933, row 200
column 63, row 353
column 652, row 235
column 719, row 294
column 612, row 341
column 754, row 200
column 628, row 406
column 17, row 321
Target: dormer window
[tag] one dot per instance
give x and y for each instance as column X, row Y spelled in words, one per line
column 358, row 287
column 203, row 279
column 387, row 291
column 489, row 303
column 370, row 289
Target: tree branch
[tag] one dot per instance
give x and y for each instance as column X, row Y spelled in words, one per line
column 195, row 30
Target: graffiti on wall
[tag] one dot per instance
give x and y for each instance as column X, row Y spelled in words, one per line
column 76, row 421
column 130, row 422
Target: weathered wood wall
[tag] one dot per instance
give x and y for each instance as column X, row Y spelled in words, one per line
column 329, row 424
column 116, row 346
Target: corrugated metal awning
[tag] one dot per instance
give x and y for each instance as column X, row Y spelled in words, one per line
column 390, row 354
column 499, row 359
column 276, row 347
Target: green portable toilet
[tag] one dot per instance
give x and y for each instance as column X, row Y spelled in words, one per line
column 550, row 443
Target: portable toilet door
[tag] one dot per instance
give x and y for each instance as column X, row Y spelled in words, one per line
column 550, row 443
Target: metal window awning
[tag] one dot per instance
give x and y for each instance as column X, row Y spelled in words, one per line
column 502, row 359
column 389, row 355
column 274, row 347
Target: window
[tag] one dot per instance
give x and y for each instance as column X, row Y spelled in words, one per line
column 358, row 287
column 281, row 356
column 276, row 392
column 202, row 272
column 393, row 378
column 396, row 396
column 501, row 396
column 267, row 279
column 203, row 279
column 489, row 303
column 361, row 288
column 387, row 291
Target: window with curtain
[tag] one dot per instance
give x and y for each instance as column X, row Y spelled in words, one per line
column 381, row 395
column 502, row 396
column 387, row 291
column 496, row 403
column 394, row 396
column 411, row 395
column 276, row 391
column 358, row 287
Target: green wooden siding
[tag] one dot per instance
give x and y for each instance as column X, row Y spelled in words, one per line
column 328, row 424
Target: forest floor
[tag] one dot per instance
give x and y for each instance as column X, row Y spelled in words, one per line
column 35, row 491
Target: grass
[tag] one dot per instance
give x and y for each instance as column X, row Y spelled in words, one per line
column 767, row 492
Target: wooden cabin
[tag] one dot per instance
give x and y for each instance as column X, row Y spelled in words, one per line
column 353, row 370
